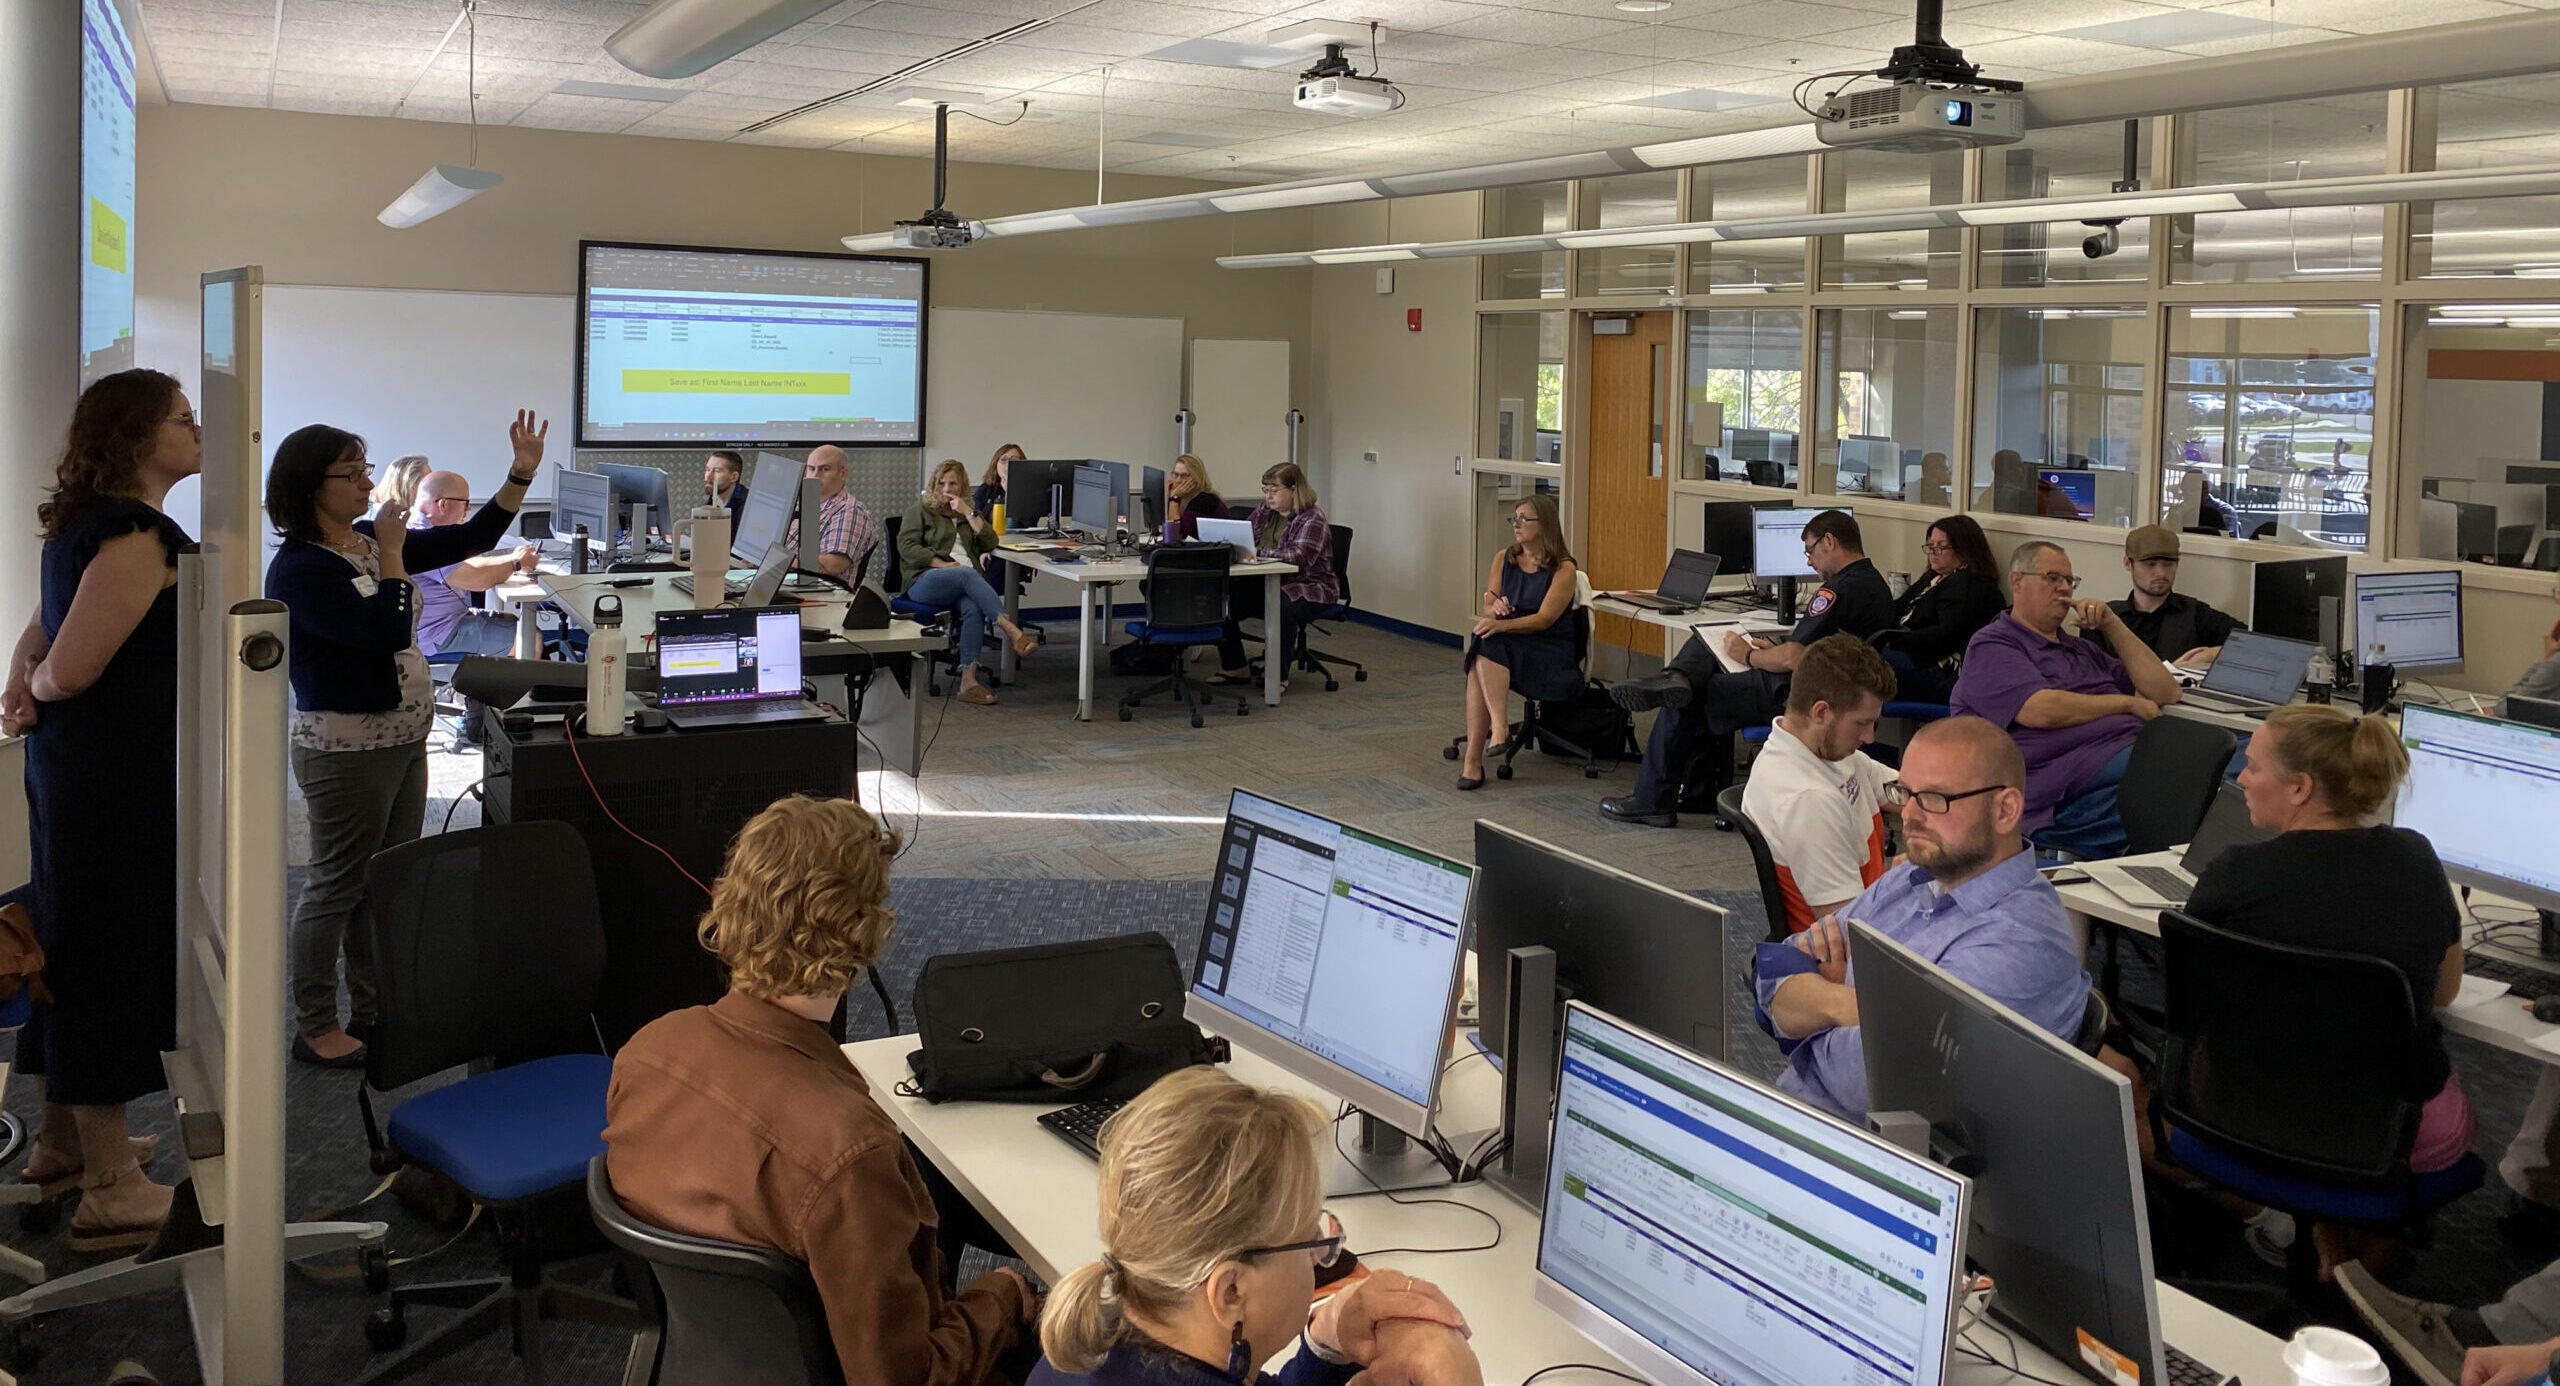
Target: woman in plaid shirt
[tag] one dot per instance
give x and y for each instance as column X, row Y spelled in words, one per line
column 1289, row 527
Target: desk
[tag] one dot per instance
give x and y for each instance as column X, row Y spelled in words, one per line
column 2503, row 1021
column 1039, row 1192
column 1708, row 623
column 1107, row 574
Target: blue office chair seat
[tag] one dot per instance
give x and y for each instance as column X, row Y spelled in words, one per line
column 915, row 610
column 17, row 1010
column 1756, row 735
column 513, row 1132
column 2391, row 1206
column 1172, row 635
column 1917, row 712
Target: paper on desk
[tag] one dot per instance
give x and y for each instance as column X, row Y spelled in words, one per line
column 2549, row 1041
column 2477, row 990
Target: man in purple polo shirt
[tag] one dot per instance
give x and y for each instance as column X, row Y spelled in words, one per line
column 2073, row 705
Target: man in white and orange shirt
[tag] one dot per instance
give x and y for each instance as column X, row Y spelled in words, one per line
column 1814, row 795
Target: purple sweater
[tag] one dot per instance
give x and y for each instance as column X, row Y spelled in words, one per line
column 2005, row 664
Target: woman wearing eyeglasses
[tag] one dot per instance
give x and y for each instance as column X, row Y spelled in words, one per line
column 1524, row 639
column 1212, row 1247
column 93, row 687
column 1190, row 496
column 1941, row 610
column 362, row 705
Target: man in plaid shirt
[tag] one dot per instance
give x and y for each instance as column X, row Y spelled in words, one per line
column 847, row 535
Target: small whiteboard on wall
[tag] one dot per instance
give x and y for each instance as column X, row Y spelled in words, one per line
column 421, row 371
column 1240, row 391
column 1060, row 384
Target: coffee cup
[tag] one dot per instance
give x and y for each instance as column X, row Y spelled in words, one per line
column 2328, row 1357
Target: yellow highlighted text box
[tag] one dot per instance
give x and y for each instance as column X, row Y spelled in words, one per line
column 106, row 237
column 665, row 382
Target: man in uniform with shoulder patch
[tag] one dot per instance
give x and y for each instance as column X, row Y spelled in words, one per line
column 1690, row 755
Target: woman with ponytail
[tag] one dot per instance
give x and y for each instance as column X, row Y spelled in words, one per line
column 1213, row 1243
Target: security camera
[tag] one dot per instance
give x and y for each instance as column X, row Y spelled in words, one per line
column 2103, row 243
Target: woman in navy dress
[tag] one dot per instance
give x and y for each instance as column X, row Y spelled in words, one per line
column 93, row 686
column 1522, row 640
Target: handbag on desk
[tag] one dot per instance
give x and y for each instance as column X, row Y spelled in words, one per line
column 1056, row 1022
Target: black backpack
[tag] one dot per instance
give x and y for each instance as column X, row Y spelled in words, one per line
column 1057, row 1022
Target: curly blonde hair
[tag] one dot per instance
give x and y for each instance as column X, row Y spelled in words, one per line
column 803, row 904
column 949, row 466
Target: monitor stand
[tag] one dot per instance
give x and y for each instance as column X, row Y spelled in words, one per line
column 2549, row 940
column 1373, row 1157
column 1787, row 600
column 1528, row 1076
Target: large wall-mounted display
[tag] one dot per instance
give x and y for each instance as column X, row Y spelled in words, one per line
column 106, row 192
column 687, row 346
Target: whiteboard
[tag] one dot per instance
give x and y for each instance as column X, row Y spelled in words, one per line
column 1060, row 384
column 1240, row 390
column 425, row 371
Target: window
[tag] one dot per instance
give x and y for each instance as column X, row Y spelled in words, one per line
column 1535, row 210
column 2057, row 398
column 2273, row 408
column 2484, row 381
column 1635, row 199
column 2483, row 125
column 1736, row 192
column 1520, row 399
column 2330, row 137
column 1863, row 180
column 1748, row 364
column 2068, row 161
column 1888, row 415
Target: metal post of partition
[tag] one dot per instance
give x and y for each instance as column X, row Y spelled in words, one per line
column 1183, row 419
column 1296, row 419
column 256, row 710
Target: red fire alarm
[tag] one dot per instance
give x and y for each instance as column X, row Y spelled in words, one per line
column 1412, row 319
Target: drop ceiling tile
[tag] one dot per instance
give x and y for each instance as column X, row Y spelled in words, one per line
column 1804, row 57
column 2368, row 16
column 1541, row 27
column 1148, row 17
column 852, row 38
column 1399, row 16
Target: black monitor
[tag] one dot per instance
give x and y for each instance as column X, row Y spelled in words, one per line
column 2538, row 712
column 1727, row 532
column 2047, row 1134
column 1028, row 491
column 2284, row 597
column 647, row 486
column 1151, row 494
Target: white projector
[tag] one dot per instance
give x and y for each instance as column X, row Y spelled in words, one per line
column 1917, row 118
column 1348, row 95
column 933, row 235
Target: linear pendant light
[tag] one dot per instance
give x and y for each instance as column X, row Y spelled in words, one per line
column 678, row 38
column 446, row 186
column 2466, row 184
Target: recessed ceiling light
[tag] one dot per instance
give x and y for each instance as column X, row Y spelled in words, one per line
column 1641, row 6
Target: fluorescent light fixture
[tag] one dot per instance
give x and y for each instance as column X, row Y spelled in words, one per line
column 2549, row 321
column 1265, row 199
column 877, row 240
column 678, row 38
column 2498, row 310
column 1029, row 224
column 2244, row 313
column 438, row 191
column 1738, row 145
column 1908, row 314
column 1707, row 99
column 1611, row 240
column 1641, row 6
column 1364, row 255
column 2121, row 205
column 1209, row 52
column 2466, row 322
column 1740, row 289
column 2174, row 30
column 926, row 98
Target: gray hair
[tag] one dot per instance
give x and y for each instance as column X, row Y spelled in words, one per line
column 2024, row 559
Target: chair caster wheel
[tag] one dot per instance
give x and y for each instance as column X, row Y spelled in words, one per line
column 386, row 1328
column 1591, row 772
column 1243, row 709
column 1502, row 772
column 1195, row 720
column 1126, row 715
column 1722, row 826
column 1449, row 752
column 1359, row 676
column 385, row 1162
column 1330, row 685
column 375, row 1263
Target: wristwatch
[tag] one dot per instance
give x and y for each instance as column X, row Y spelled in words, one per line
column 522, row 480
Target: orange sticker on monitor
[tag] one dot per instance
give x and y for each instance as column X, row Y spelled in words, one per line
column 2108, row 1363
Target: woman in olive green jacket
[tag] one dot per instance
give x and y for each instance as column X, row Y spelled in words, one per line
column 939, row 545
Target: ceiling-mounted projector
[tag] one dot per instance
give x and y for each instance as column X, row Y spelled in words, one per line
column 1330, row 84
column 1349, row 94
column 1918, row 118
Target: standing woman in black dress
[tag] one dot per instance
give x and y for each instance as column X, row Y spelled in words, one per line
column 93, row 686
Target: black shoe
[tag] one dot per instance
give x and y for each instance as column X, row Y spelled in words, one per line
column 1665, row 689
column 2532, row 1227
column 1626, row 810
column 304, row 1053
column 361, row 1030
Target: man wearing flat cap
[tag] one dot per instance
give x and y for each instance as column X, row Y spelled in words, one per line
column 2177, row 627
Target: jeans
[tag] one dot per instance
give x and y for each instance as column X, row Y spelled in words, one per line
column 360, row 802
column 1913, row 684
column 967, row 595
column 1688, row 759
column 2085, row 824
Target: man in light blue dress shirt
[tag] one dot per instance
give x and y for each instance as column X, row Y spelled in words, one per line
column 1967, row 898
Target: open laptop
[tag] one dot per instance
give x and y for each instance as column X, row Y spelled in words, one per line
column 2254, row 674
column 731, row 666
column 1683, row 587
column 758, row 590
column 1235, row 533
column 2226, row 825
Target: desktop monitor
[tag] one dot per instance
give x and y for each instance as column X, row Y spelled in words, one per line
column 2540, row 712
column 642, row 486
column 1747, row 444
column 1120, row 494
column 2059, row 1222
column 1726, row 531
column 2485, row 793
column 773, row 491
column 582, row 499
column 2081, row 487
column 728, row 654
column 2284, row 597
column 1709, row 1229
column 1867, row 463
column 1151, row 495
column 2409, row 620
column 1027, row 489
column 1334, row 954
column 1777, row 542
column 1092, row 510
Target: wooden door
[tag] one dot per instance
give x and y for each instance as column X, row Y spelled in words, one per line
column 1630, row 483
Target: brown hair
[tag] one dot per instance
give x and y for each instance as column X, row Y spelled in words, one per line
column 1199, row 1168
column 1839, row 670
column 113, row 426
column 1287, row 474
column 1835, row 524
column 993, row 460
column 1972, row 550
column 2355, row 762
column 803, row 903
column 1551, row 549
column 949, row 466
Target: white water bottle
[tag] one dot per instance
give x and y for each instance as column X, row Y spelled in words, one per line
column 708, row 526
column 606, row 652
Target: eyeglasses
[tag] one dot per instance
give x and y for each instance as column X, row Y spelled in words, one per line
column 1327, row 1247
column 1896, row 794
column 359, row 474
column 1937, row 548
column 2065, row 581
column 186, row 420
column 464, row 501
column 1519, row 520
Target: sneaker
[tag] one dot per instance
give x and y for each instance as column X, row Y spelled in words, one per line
column 1665, row 689
column 2413, row 1329
column 2270, row 1237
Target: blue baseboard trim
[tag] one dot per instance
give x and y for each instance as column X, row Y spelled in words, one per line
column 1426, row 634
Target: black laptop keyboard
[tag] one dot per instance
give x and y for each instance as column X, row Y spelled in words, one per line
column 1081, row 1125
column 2160, row 881
column 2531, row 983
column 2187, row 1371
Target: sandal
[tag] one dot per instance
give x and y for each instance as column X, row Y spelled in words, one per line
column 977, row 694
column 54, row 1183
column 1223, row 679
column 120, row 1212
column 1025, row 643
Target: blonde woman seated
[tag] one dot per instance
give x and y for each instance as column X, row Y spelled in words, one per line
column 1523, row 639
column 743, row 1121
column 1212, row 1242
column 939, row 546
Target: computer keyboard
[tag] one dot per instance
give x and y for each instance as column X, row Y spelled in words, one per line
column 2531, row 983
column 2187, row 1371
column 1081, row 1124
column 2160, row 880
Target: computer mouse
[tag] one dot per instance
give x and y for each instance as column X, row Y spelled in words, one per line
column 2547, row 1009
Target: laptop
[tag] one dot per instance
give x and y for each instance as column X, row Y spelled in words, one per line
column 1236, row 533
column 1684, row 584
column 731, row 666
column 2226, row 825
column 759, row 590
column 2254, row 674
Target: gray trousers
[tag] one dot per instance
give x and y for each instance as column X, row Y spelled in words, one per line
column 360, row 802
column 2530, row 1310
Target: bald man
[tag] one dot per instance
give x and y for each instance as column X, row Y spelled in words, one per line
column 847, row 535
column 1967, row 898
column 446, row 621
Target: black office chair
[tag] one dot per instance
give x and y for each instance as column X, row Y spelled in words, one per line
column 1186, row 607
column 1311, row 659
column 1773, row 896
column 720, row 1312
column 1539, row 717
column 2095, row 1020
column 2288, row 1076
column 2513, row 543
column 2170, row 781
column 489, row 947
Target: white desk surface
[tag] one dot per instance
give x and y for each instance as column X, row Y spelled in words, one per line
column 2503, row 1021
column 641, row 603
column 1093, row 629
column 1099, row 571
column 1709, row 623
column 1039, row 1192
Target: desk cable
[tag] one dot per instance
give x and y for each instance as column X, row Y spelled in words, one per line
column 1584, row 1367
column 1966, row 1345
column 1381, row 1190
